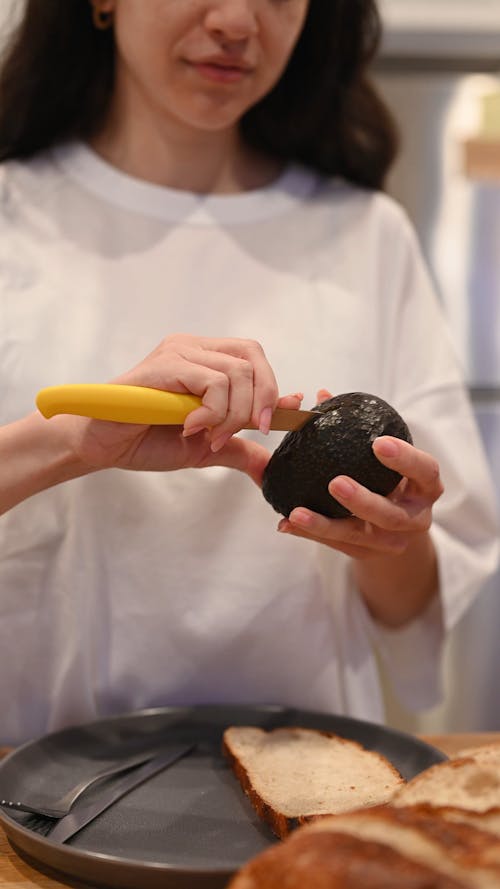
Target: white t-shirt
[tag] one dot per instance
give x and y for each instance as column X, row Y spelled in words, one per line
column 123, row 590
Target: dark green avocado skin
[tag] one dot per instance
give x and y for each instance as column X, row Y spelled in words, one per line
column 338, row 442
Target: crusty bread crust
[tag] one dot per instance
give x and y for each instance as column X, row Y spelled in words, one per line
column 488, row 820
column 427, row 836
column 280, row 824
column 384, row 777
column 380, row 846
column 329, row 860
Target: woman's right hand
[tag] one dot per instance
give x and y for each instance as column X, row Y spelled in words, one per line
column 237, row 387
column 232, row 377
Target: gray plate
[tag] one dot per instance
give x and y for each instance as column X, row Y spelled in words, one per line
column 189, row 827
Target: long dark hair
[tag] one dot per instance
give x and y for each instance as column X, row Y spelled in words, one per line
column 57, row 79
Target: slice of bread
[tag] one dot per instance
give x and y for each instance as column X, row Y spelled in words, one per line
column 462, row 783
column 294, row 775
column 485, row 754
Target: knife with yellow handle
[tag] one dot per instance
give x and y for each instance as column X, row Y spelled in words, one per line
column 139, row 404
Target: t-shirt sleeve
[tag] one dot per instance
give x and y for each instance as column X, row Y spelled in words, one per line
column 428, row 389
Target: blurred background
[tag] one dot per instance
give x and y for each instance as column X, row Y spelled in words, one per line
column 439, row 71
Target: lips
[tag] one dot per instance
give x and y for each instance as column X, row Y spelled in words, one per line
column 225, row 62
column 221, row 69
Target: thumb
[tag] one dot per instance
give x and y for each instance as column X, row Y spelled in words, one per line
column 246, row 456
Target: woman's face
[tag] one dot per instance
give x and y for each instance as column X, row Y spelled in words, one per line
column 203, row 63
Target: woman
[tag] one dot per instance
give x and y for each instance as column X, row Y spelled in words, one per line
column 214, row 167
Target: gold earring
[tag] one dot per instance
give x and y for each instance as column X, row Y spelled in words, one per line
column 102, row 20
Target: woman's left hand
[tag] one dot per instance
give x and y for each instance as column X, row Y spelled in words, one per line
column 379, row 525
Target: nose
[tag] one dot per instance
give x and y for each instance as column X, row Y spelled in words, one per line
column 232, row 19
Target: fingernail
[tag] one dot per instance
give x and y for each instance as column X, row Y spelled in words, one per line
column 300, row 517
column 218, row 443
column 283, row 526
column 386, row 447
column 265, row 420
column 193, row 431
column 342, row 487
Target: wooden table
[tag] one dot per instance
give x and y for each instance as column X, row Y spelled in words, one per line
column 16, row 874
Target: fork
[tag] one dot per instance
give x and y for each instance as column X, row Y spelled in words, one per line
column 39, row 824
column 63, row 806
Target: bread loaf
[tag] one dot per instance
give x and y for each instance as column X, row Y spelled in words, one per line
column 330, row 860
column 294, row 775
column 378, row 848
column 489, row 821
column 451, row 847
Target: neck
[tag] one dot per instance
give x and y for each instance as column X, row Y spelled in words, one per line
column 177, row 156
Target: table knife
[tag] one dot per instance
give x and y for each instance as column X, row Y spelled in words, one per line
column 139, row 404
column 84, row 813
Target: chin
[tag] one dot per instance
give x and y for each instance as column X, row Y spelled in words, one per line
column 217, row 126
column 215, row 117
column 212, row 124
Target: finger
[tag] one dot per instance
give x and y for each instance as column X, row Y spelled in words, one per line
column 247, row 395
column 349, row 532
column 382, row 512
column 242, row 454
column 228, row 401
column 176, row 374
column 213, row 388
column 323, row 395
column 291, row 402
column 355, row 552
column 253, row 390
column 409, row 461
column 265, row 387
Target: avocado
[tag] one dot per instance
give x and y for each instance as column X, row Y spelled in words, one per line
column 337, row 442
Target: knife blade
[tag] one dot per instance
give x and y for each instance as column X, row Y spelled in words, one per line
column 84, row 813
column 139, row 404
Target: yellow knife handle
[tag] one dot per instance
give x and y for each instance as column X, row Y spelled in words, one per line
column 112, row 401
